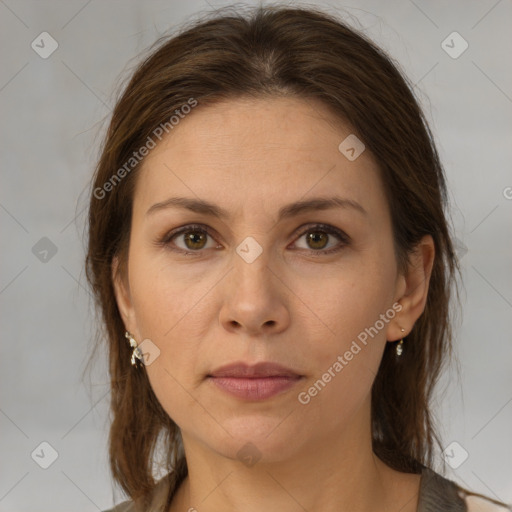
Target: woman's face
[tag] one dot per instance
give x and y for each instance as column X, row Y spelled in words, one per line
column 255, row 286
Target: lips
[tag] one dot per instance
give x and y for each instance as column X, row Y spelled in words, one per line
column 257, row 382
column 260, row 370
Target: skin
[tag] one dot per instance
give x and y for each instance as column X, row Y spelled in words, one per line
column 290, row 306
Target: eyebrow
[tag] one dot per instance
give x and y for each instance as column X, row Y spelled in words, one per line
column 291, row 210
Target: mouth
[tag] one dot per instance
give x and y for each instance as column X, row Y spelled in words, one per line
column 258, row 382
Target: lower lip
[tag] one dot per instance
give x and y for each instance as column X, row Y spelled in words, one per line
column 255, row 388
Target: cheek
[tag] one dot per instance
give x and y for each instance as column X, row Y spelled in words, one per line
column 166, row 297
column 342, row 302
column 351, row 310
column 177, row 399
column 345, row 363
column 168, row 311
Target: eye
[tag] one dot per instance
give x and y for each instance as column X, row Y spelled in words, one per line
column 317, row 238
column 193, row 238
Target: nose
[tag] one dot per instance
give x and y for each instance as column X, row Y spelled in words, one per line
column 255, row 300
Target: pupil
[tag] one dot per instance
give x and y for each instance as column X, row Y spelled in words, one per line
column 195, row 239
column 315, row 238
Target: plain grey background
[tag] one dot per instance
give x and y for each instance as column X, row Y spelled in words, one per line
column 53, row 117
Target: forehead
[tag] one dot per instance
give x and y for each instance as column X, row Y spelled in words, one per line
column 256, row 152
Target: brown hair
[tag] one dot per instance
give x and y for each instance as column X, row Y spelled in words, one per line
column 272, row 52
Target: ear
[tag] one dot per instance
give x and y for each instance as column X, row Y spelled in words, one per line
column 412, row 288
column 123, row 297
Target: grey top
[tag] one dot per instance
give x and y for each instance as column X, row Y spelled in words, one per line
column 437, row 494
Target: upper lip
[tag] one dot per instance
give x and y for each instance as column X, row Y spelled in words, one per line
column 264, row 369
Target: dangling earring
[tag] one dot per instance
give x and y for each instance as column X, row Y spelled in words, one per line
column 137, row 352
column 400, row 345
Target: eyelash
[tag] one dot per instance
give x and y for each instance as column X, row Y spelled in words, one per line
column 324, row 228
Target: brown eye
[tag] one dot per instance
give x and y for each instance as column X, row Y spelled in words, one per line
column 188, row 238
column 195, row 240
column 317, row 239
column 192, row 239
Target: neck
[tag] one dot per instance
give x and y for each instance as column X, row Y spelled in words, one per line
column 338, row 472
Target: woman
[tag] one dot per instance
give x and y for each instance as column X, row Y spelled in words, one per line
column 269, row 250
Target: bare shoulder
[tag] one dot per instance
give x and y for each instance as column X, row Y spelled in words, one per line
column 440, row 494
column 481, row 504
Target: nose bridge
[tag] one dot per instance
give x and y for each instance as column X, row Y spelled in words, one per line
column 251, row 251
column 252, row 300
column 251, row 262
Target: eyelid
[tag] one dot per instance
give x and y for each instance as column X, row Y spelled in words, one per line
column 165, row 240
column 345, row 239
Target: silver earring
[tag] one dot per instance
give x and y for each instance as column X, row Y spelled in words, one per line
column 400, row 345
column 137, row 352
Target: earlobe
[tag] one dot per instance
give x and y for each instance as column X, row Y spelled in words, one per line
column 417, row 279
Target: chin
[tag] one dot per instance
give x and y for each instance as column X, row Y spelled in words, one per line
column 265, row 438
